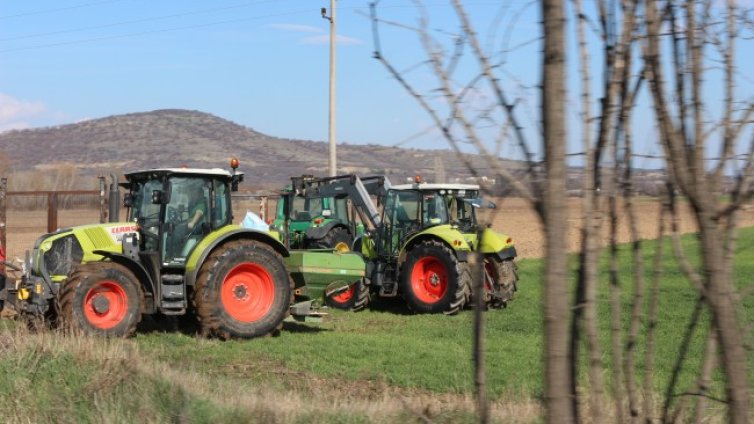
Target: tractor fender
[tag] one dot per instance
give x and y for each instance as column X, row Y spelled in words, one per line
column 448, row 236
column 316, row 233
column 496, row 243
column 212, row 241
column 136, row 267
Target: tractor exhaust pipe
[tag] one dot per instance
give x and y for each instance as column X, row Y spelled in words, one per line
column 114, row 200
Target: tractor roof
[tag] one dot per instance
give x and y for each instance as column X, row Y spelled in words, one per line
column 198, row 172
column 435, row 186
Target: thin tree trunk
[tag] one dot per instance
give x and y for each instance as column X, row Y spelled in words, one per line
column 720, row 297
column 710, row 360
column 586, row 297
column 556, row 311
column 480, row 381
column 654, row 303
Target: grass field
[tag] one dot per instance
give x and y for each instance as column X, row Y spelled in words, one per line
column 380, row 365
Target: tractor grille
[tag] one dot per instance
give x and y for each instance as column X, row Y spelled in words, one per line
column 99, row 238
column 64, row 254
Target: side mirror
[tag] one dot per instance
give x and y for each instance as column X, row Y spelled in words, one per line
column 128, row 200
column 157, row 197
column 237, row 178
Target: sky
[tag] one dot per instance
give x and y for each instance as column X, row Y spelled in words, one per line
column 262, row 64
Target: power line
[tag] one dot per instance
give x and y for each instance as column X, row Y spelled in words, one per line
column 136, row 21
column 160, row 30
column 156, row 31
column 59, row 9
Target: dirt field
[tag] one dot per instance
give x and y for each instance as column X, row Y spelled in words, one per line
column 513, row 217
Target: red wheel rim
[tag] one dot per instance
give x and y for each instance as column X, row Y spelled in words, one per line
column 247, row 294
column 489, row 275
column 429, row 279
column 344, row 296
column 105, row 305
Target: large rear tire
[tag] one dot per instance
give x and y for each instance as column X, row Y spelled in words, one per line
column 336, row 236
column 354, row 298
column 101, row 298
column 500, row 277
column 243, row 291
column 433, row 280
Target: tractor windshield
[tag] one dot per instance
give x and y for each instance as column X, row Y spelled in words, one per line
column 142, row 206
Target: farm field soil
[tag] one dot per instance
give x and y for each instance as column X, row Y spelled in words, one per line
column 517, row 219
column 513, row 217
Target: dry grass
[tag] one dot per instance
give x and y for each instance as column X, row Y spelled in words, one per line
column 112, row 376
column 111, row 369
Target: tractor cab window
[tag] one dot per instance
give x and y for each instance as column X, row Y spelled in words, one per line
column 401, row 217
column 339, row 209
column 402, row 208
column 435, row 210
column 145, row 212
column 221, row 215
column 142, row 205
column 462, row 211
column 304, row 209
column 188, row 217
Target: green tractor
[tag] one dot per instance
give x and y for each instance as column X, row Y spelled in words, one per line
column 419, row 245
column 318, row 222
column 178, row 253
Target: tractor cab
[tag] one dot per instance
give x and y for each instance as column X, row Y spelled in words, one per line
column 457, row 207
column 175, row 209
column 407, row 212
column 305, row 222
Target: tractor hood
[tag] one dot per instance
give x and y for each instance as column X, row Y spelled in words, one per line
column 55, row 254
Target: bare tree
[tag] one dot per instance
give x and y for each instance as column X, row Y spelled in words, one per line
column 461, row 105
column 685, row 135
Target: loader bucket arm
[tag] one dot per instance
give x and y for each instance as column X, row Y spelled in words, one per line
column 347, row 186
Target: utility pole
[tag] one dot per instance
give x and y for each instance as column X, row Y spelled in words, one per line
column 331, row 129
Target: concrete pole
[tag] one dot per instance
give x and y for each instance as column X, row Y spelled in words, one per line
column 3, row 222
column 332, row 162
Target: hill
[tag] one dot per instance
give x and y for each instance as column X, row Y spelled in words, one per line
column 182, row 137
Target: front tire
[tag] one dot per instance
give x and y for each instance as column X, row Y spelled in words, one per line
column 243, row 291
column 433, row 280
column 354, row 298
column 101, row 298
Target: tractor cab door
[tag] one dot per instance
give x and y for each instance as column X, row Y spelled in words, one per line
column 462, row 212
column 191, row 212
column 400, row 217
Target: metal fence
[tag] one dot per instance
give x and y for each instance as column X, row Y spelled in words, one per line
column 25, row 215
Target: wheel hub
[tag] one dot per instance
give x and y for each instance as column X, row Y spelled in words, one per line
column 100, row 304
column 434, row 280
column 240, row 292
